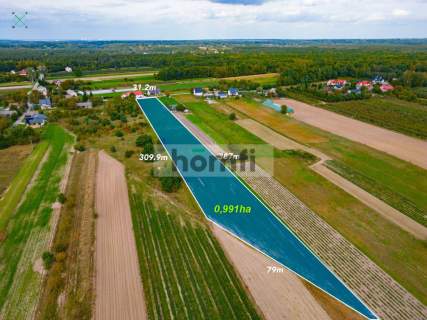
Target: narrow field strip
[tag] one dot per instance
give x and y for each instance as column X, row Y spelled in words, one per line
column 118, row 285
column 202, row 285
column 18, row 185
column 28, row 232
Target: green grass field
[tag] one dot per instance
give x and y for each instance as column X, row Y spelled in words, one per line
column 28, row 230
column 188, row 84
column 122, row 82
column 393, row 249
column 18, row 185
column 184, row 270
column 383, row 192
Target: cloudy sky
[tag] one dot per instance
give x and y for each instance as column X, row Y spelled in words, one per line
column 214, row 19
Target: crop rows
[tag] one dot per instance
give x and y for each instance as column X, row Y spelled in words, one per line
column 184, row 271
column 382, row 192
column 383, row 294
column 393, row 114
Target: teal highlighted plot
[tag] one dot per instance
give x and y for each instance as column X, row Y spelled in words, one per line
column 226, row 201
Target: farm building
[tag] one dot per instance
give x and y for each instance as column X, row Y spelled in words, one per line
column 198, row 92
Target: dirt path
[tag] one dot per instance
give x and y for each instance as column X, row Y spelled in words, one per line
column 119, row 293
column 401, row 146
column 388, row 212
column 278, row 295
column 283, row 143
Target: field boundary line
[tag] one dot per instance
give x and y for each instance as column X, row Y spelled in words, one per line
column 262, row 202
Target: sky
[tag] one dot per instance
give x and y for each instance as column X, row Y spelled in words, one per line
column 213, row 19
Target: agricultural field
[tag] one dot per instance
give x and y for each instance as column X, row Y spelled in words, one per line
column 11, row 160
column 187, row 84
column 185, row 272
column 122, row 82
column 28, row 231
column 382, row 192
column 73, row 248
column 369, row 231
column 403, row 177
column 17, row 187
column 262, row 79
column 384, row 111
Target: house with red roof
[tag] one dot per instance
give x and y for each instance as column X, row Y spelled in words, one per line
column 386, row 87
column 336, row 83
column 23, row 73
column 364, row 84
column 136, row 93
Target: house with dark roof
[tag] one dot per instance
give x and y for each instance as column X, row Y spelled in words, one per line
column 35, row 120
column 221, row 94
column 45, row 103
column 233, row 92
column 198, row 92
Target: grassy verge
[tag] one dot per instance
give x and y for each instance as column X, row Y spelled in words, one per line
column 393, row 249
column 18, row 185
column 28, row 232
column 185, row 272
column 72, row 248
column 383, row 192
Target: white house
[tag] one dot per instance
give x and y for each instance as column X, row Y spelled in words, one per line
column 68, row 69
column 70, row 94
column 84, row 105
column 40, row 88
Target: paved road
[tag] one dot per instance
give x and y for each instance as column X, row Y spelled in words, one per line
column 401, row 146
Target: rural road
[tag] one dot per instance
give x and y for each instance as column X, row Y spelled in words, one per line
column 282, row 143
column 119, row 292
column 401, row 146
column 94, row 78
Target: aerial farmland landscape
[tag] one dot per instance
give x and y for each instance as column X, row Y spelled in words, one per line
column 213, row 159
